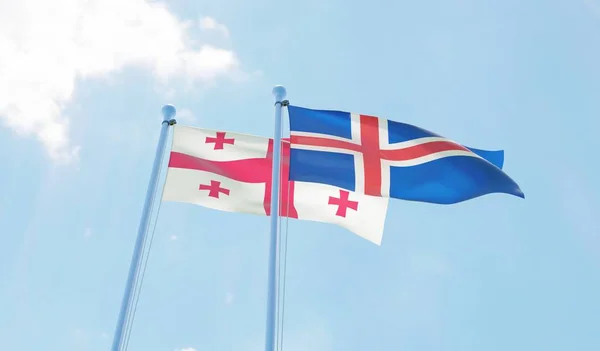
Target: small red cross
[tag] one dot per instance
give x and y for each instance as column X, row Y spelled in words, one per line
column 214, row 189
column 343, row 203
column 219, row 141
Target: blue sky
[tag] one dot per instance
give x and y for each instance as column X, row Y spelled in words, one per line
column 80, row 100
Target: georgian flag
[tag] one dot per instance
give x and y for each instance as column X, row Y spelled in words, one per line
column 232, row 172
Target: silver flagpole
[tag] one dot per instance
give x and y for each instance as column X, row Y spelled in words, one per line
column 168, row 112
column 279, row 93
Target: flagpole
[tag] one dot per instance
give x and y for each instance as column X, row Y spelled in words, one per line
column 168, row 112
column 279, row 93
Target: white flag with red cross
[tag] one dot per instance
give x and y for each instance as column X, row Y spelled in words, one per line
column 232, row 172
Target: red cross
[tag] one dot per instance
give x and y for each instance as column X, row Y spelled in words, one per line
column 253, row 170
column 343, row 203
column 369, row 147
column 219, row 141
column 286, row 187
column 214, row 189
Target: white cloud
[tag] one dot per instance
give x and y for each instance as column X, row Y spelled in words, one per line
column 46, row 47
column 209, row 23
column 173, row 237
column 186, row 116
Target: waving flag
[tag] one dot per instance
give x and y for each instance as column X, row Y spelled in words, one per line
column 385, row 158
column 232, row 172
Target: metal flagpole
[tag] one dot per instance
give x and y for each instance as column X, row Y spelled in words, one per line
column 168, row 112
column 279, row 93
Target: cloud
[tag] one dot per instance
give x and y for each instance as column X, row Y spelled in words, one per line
column 173, row 237
column 47, row 47
column 209, row 23
column 87, row 233
column 186, row 349
column 186, row 116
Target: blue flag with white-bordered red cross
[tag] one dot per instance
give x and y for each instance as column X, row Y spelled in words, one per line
column 381, row 157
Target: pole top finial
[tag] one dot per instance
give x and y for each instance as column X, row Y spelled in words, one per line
column 168, row 112
column 279, row 92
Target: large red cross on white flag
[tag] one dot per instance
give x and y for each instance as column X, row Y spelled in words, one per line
column 232, row 172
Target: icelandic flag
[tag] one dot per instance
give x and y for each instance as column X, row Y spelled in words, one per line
column 386, row 158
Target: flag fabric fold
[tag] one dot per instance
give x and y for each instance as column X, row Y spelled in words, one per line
column 232, row 172
column 385, row 158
